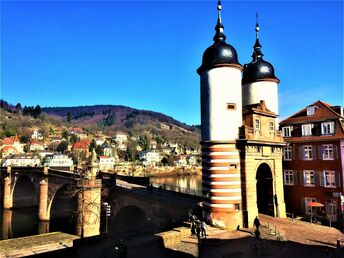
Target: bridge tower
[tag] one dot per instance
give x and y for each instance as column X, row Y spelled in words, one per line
column 221, row 117
column 89, row 201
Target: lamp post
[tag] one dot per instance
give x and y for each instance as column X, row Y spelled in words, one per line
column 107, row 215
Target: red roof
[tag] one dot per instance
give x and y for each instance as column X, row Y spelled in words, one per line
column 84, row 144
column 323, row 112
column 10, row 140
column 7, row 148
column 77, row 129
column 35, row 142
column 104, row 157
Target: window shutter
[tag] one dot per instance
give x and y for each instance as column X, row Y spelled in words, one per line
column 316, row 178
column 321, row 178
column 335, row 151
column 301, row 152
column 295, row 177
column 301, row 178
column 303, row 204
column 314, row 152
column 293, row 152
column 320, row 151
column 338, row 179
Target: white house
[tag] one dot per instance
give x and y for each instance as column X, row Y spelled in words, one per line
column 36, row 145
column 121, row 137
column 181, row 161
column 106, row 163
column 149, row 157
column 36, row 134
column 22, row 160
column 59, row 160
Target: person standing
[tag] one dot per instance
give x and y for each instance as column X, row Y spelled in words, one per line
column 256, row 222
column 203, row 229
column 198, row 229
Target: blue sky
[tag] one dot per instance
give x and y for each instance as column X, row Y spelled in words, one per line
column 144, row 54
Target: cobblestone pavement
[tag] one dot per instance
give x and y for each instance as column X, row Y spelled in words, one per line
column 281, row 238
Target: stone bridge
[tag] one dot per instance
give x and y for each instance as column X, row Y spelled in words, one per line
column 136, row 208
column 57, row 193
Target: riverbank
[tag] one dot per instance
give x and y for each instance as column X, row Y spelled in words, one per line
column 139, row 171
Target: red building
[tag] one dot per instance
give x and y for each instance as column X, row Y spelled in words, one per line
column 313, row 161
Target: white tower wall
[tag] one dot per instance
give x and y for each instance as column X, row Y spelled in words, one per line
column 221, row 87
column 263, row 90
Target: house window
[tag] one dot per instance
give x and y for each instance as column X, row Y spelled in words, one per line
column 307, row 129
column 327, row 128
column 308, row 210
column 311, row 110
column 329, row 179
column 271, row 125
column 286, row 131
column 307, row 152
column 289, row 177
column 308, row 178
column 327, row 151
column 257, row 124
column 287, row 153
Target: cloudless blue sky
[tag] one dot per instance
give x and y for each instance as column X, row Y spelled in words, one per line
column 144, row 54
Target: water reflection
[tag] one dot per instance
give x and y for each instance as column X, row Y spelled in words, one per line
column 179, row 183
column 24, row 222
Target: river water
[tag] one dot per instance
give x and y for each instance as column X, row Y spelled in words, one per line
column 24, row 221
column 187, row 184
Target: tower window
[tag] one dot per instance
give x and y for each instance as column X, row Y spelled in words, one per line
column 231, row 106
column 257, row 124
column 271, row 125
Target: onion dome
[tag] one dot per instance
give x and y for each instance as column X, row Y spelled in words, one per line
column 258, row 69
column 220, row 53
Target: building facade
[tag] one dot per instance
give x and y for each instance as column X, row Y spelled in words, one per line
column 313, row 160
column 241, row 173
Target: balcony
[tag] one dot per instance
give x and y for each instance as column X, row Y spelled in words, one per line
column 264, row 134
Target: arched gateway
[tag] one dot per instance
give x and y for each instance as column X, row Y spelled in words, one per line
column 264, row 187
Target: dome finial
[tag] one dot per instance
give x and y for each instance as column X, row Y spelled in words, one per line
column 257, row 26
column 219, row 36
column 257, row 52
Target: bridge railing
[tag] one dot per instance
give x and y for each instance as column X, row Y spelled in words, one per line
column 176, row 188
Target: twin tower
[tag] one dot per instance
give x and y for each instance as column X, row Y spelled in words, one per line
column 241, row 146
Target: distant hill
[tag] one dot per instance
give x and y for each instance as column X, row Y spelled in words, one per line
column 112, row 118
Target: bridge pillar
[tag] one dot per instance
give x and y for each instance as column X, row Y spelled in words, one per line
column 89, row 202
column 43, row 227
column 6, row 224
column 8, row 200
column 43, row 214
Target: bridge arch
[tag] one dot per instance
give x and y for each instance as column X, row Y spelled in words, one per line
column 24, row 192
column 129, row 219
column 63, row 202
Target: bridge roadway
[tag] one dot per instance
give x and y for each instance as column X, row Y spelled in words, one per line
column 137, row 208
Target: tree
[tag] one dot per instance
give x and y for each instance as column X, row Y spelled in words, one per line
column 99, row 150
column 74, row 138
column 69, row 116
column 37, row 111
column 62, row 147
column 131, row 152
column 18, row 108
column 24, row 139
column 65, row 134
column 92, row 145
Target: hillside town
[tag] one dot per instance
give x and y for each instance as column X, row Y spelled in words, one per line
column 65, row 147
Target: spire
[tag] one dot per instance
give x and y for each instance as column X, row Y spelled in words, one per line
column 219, row 36
column 257, row 53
